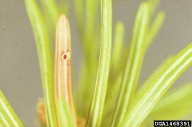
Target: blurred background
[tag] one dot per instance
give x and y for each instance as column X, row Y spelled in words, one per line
column 20, row 78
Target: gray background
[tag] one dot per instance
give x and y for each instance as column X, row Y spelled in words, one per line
column 19, row 70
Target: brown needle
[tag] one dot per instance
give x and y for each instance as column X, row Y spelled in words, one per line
column 62, row 72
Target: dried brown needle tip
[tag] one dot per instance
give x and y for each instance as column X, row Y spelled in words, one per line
column 40, row 108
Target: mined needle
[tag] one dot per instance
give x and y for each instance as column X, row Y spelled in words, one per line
column 62, row 72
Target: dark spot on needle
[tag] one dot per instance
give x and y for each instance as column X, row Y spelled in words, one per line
column 64, row 56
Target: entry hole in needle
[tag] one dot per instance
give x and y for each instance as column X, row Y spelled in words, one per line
column 64, row 56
